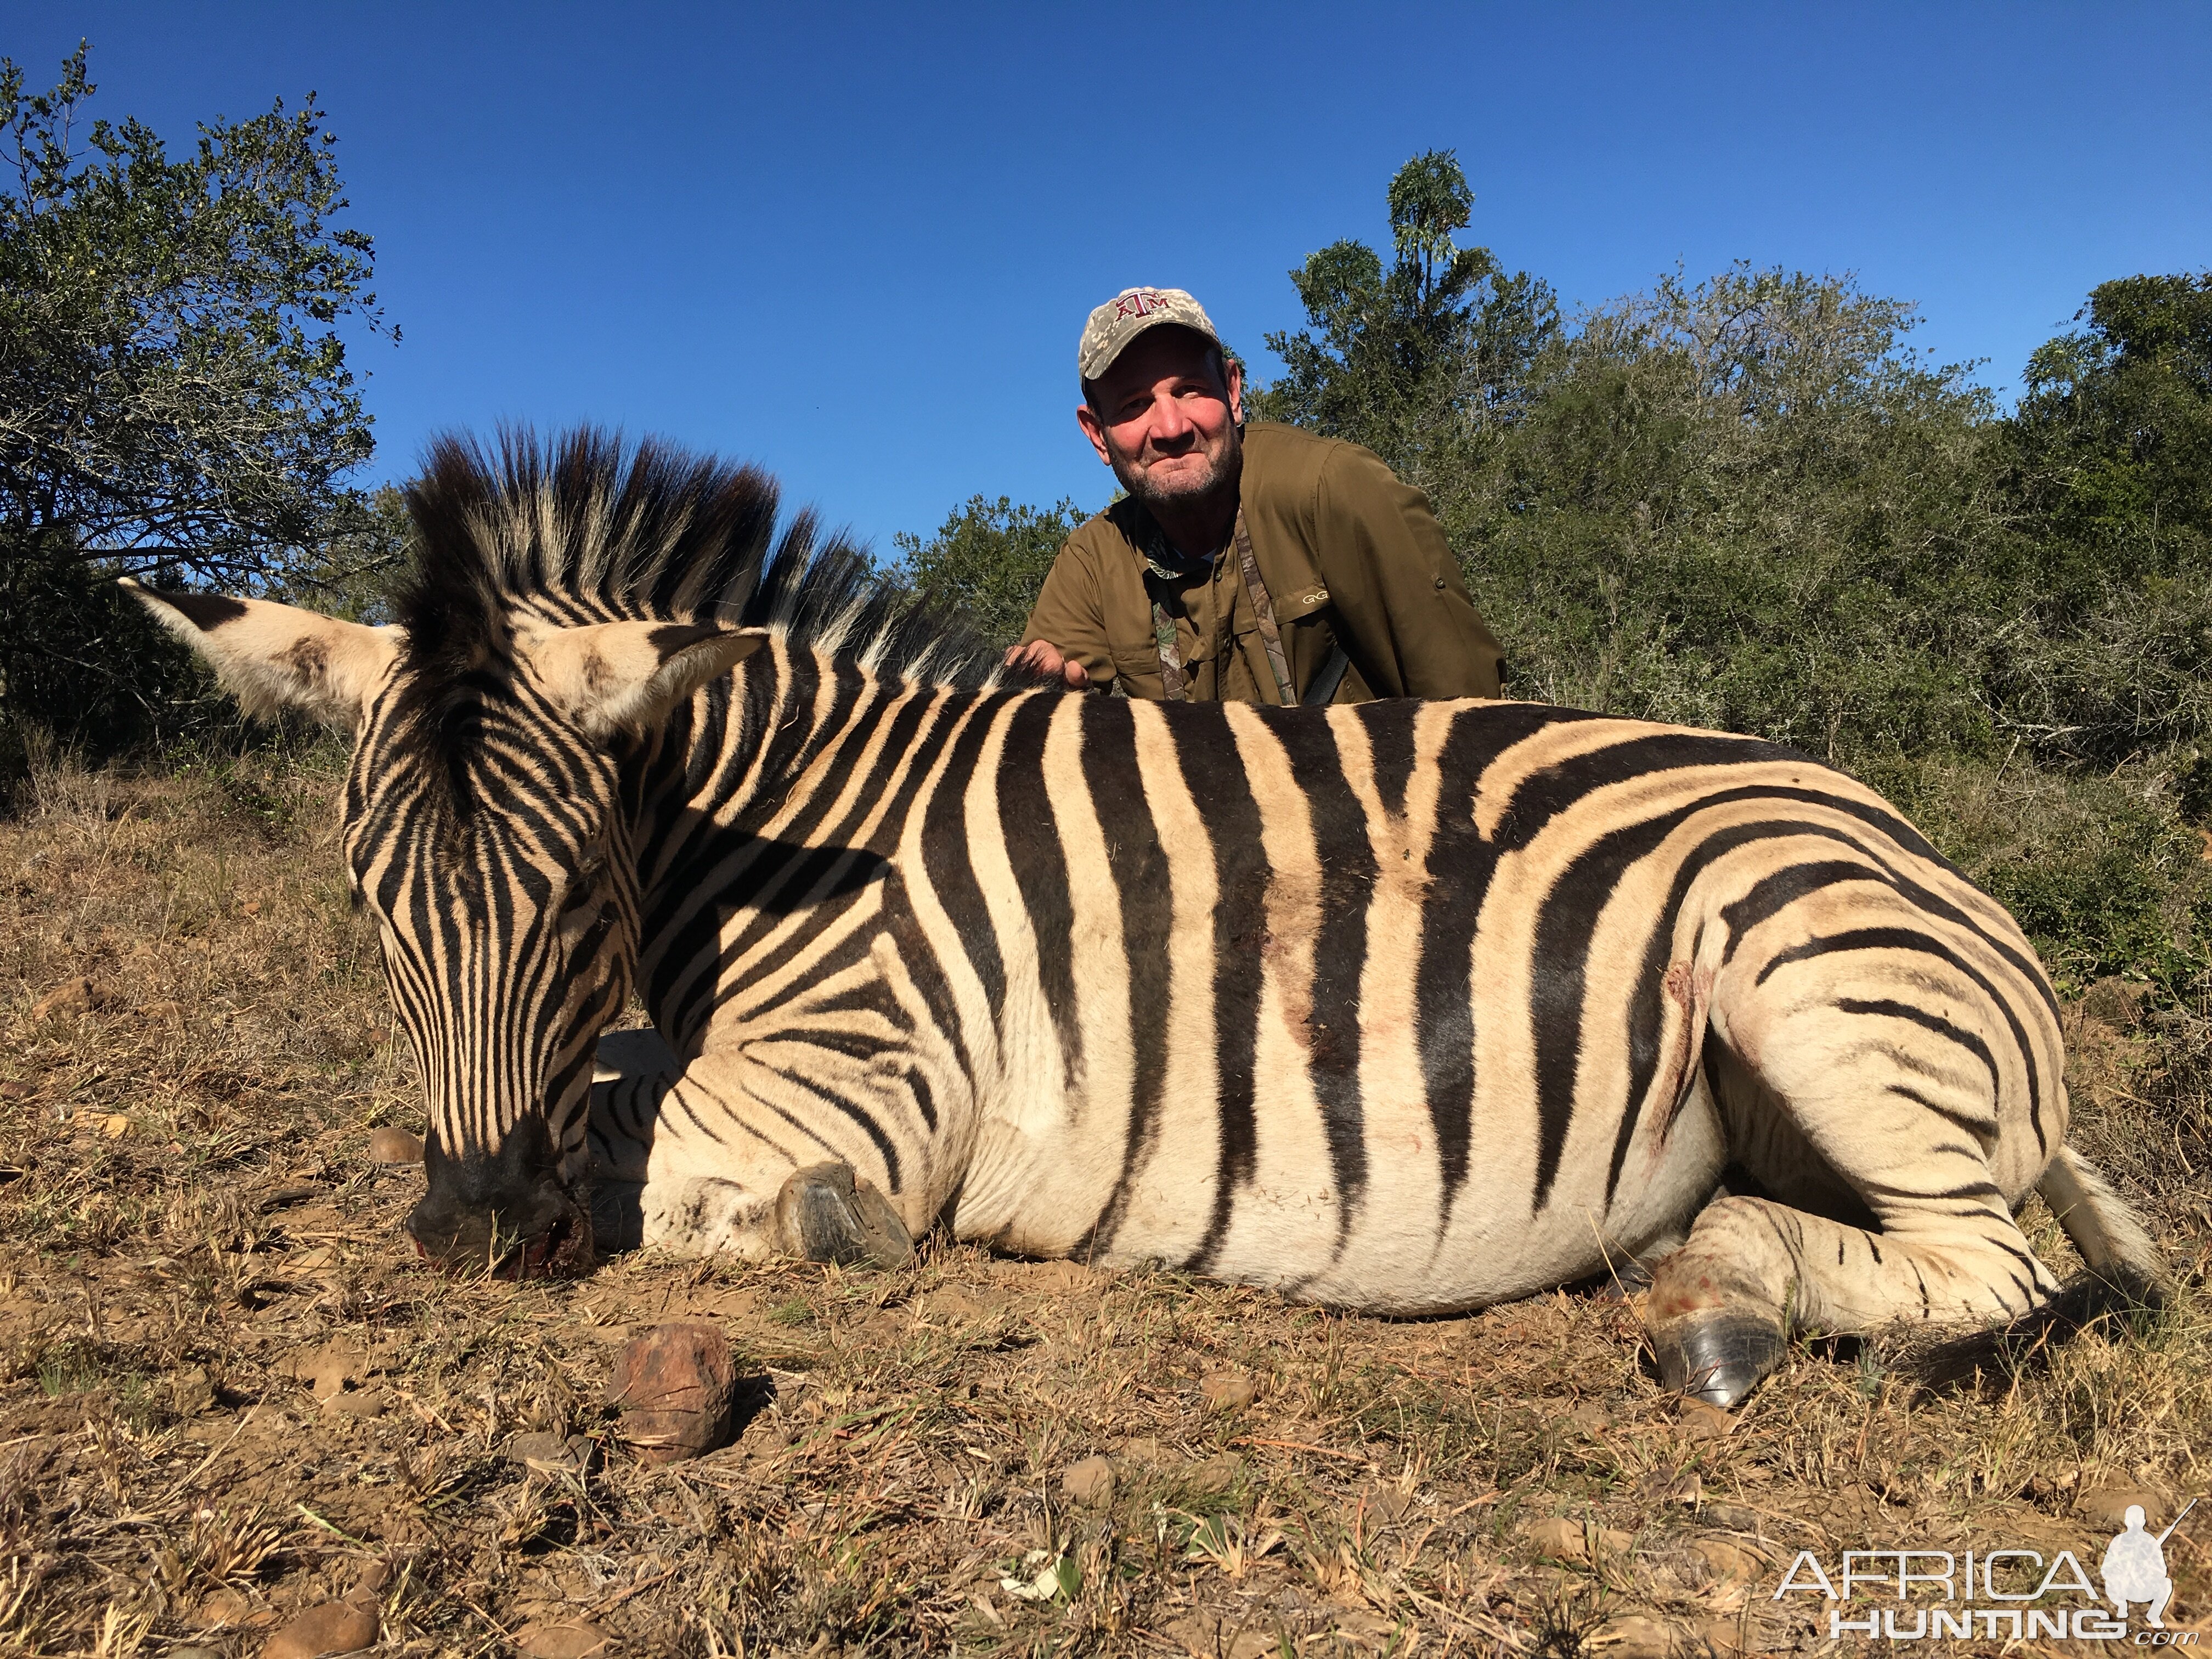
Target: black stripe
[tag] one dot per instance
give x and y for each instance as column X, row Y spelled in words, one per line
column 1389, row 727
column 1461, row 864
column 1943, row 1028
column 1139, row 867
column 952, row 874
column 1340, row 953
column 1040, row 868
column 1905, row 939
column 1213, row 772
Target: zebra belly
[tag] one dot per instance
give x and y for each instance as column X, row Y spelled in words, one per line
column 1391, row 1246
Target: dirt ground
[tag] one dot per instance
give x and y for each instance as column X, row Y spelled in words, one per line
column 228, row 1396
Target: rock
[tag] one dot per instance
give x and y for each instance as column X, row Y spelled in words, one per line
column 1215, row 1475
column 1388, row 1502
column 1227, row 1391
column 1090, row 1483
column 1698, row 1420
column 549, row 1454
column 1631, row 1637
column 71, row 998
column 1665, row 1485
column 1146, row 1453
column 223, row 1607
column 559, row 1638
column 674, row 1387
column 1558, row 1537
column 1730, row 1563
column 115, row 1126
column 2107, row 1505
column 375, row 1579
column 192, row 1391
column 333, row 1627
column 14, row 1089
column 391, row 1144
column 1734, row 1516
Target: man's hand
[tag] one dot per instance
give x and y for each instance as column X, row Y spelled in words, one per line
column 1042, row 657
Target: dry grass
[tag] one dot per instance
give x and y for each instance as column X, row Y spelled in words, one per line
column 186, row 1209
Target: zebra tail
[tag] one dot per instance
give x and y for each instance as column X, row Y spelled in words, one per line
column 2125, row 1279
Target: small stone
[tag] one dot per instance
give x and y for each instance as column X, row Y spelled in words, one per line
column 391, row 1144
column 1664, row 1485
column 1731, row 1562
column 1090, row 1482
column 115, row 1126
column 1215, row 1475
column 1387, row 1502
column 14, row 1089
column 559, row 1639
column 71, row 998
column 192, row 1391
column 1227, row 1391
column 1632, row 1638
column 1558, row 1537
column 674, row 1387
column 1734, row 1516
column 1146, row 1453
column 375, row 1579
column 1700, row 1421
column 549, row 1454
column 333, row 1627
column 222, row 1608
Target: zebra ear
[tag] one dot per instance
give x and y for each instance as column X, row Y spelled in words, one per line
column 271, row 656
column 628, row 676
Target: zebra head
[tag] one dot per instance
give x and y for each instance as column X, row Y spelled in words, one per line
column 485, row 830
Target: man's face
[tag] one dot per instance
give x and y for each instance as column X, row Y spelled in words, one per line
column 1165, row 421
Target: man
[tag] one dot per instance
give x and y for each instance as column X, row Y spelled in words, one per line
column 1269, row 566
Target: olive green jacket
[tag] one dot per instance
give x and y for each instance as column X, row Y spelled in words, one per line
column 1349, row 556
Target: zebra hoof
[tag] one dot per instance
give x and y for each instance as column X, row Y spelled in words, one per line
column 825, row 1213
column 1718, row 1356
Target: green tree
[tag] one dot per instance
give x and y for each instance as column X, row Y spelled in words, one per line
column 986, row 562
column 1421, row 360
column 174, row 398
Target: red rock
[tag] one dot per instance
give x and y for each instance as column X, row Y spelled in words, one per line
column 333, row 1627
column 674, row 1387
column 395, row 1145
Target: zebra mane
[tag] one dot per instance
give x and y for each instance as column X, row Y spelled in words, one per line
column 583, row 529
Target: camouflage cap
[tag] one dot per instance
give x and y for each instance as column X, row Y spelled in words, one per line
column 1128, row 315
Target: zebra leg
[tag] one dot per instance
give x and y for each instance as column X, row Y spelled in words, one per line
column 1859, row 1106
column 635, row 1070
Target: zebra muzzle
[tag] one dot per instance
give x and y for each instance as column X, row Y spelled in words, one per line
column 824, row 1212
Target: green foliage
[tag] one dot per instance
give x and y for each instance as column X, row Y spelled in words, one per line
column 173, row 394
column 1744, row 503
column 1422, row 361
column 986, row 562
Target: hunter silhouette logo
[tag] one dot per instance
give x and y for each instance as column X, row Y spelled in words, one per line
column 2134, row 1567
column 1966, row 1594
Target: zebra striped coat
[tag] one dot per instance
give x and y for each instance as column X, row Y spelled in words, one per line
column 1403, row 1006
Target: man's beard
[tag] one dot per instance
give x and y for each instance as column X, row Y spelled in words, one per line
column 1154, row 496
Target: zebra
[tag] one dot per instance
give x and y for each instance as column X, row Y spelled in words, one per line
column 1404, row 1007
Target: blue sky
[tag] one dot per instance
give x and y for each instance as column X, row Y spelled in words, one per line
column 856, row 243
